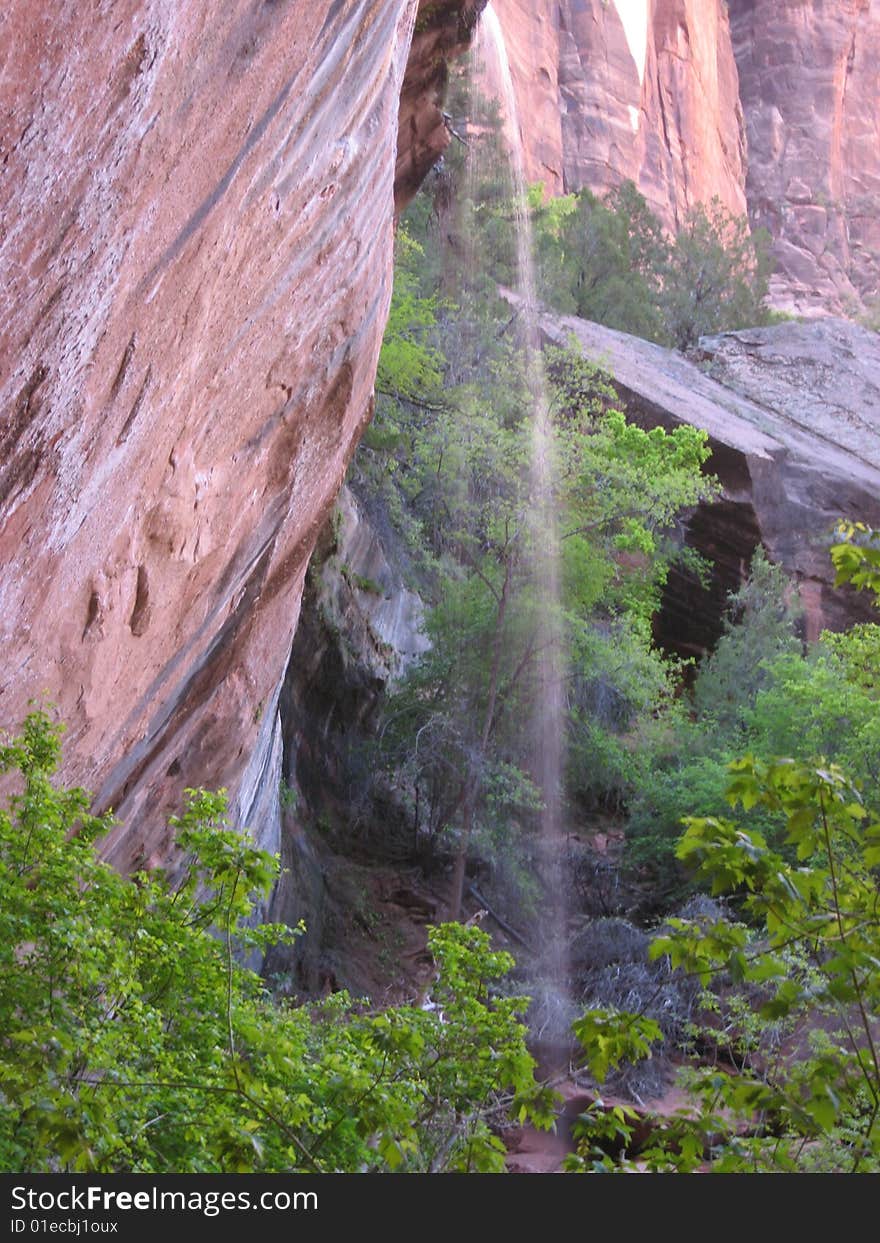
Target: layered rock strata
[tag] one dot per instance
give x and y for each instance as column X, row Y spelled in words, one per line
column 360, row 628
column 769, row 105
column 654, row 100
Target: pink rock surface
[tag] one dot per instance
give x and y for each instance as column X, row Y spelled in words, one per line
column 810, row 86
column 592, row 117
column 197, row 207
column 770, row 104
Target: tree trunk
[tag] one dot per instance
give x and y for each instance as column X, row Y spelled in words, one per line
column 472, row 783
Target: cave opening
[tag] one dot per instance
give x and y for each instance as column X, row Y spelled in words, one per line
column 690, row 620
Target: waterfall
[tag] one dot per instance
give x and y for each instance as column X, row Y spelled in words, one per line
column 548, row 723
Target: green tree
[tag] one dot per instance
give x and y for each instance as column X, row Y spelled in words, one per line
column 857, row 556
column 604, row 260
column 715, row 277
column 802, row 957
column 610, row 261
column 686, row 752
column 409, row 366
column 132, row 1039
column 457, row 735
column 824, row 703
column 759, row 627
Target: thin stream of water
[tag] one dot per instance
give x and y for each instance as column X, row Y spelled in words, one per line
column 548, row 716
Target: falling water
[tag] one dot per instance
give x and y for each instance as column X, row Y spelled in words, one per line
column 551, row 1018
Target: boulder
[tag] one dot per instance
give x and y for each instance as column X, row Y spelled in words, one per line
column 793, row 417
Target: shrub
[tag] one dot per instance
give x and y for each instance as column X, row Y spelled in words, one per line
column 609, row 261
column 131, row 1038
column 715, row 277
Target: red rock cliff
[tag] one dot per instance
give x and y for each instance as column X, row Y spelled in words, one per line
column 770, row 103
column 656, row 102
column 810, row 86
column 196, row 246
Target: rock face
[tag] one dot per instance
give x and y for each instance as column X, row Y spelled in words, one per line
column 823, row 377
column 773, row 108
column 810, row 84
column 793, row 417
column 197, row 204
column 655, row 100
column 530, row 32
column 360, row 627
column 443, row 30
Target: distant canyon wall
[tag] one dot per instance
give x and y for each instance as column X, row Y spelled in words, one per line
column 197, row 203
column 809, row 78
column 655, row 101
column 773, row 106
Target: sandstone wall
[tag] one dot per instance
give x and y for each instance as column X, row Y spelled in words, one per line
column 593, row 116
column 770, row 105
column 810, row 87
column 197, row 206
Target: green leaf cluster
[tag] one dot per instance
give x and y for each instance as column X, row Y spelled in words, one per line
column 611, row 262
column 132, row 1038
column 857, row 556
column 795, row 987
column 461, row 474
column 806, row 959
column 761, row 690
column 409, row 365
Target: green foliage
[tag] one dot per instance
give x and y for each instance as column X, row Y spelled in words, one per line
column 716, row 275
column 604, row 261
column 460, row 472
column 858, row 654
column 609, row 1037
column 685, row 784
column 409, row 365
column 132, row 1039
column 824, row 703
column 857, row 557
column 609, row 261
column 287, row 796
column 808, row 953
column 795, row 987
column 759, row 690
column 760, row 627
column 824, row 905
column 451, row 465
column 738, row 699
column 624, row 487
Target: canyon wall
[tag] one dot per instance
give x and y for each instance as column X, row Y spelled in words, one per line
column 769, row 105
column 810, row 88
column 655, row 101
column 197, row 206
